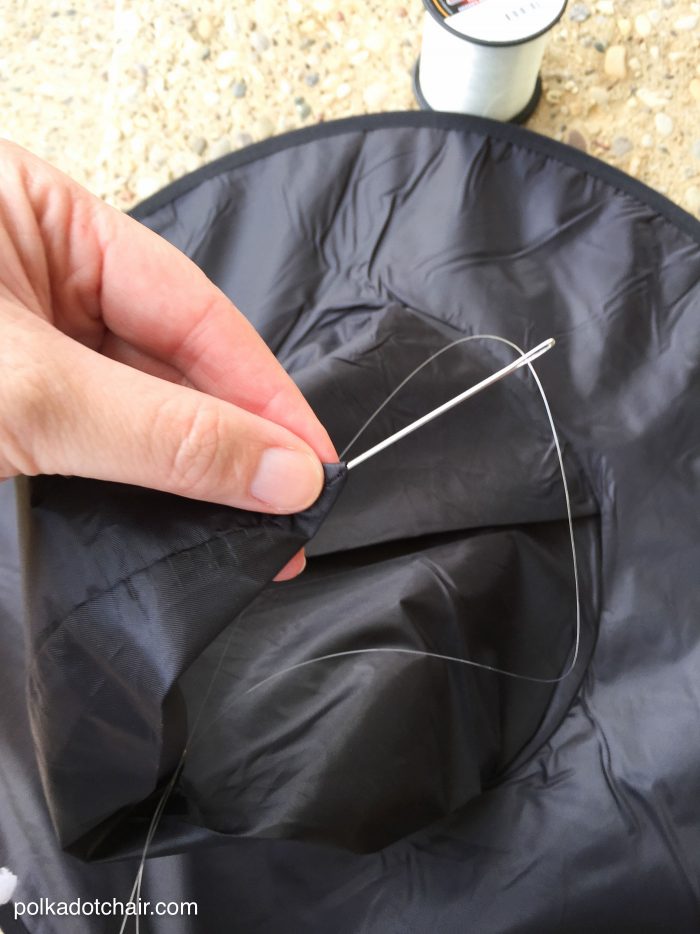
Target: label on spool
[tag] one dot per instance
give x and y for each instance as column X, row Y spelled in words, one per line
column 447, row 8
column 498, row 22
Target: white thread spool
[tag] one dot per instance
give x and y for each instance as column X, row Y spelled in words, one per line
column 483, row 57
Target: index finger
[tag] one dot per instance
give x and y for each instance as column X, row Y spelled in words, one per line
column 156, row 298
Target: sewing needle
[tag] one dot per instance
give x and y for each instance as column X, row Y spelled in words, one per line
column 446, row 406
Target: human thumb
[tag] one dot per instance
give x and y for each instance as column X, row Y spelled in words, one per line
column 70, row 410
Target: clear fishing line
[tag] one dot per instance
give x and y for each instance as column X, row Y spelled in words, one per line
column 451, row 403
column 525, row 360
column 160, row 808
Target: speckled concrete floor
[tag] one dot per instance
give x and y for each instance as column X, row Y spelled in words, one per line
column 129, row 94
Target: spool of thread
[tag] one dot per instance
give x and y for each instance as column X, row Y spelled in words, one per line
column 483, row 57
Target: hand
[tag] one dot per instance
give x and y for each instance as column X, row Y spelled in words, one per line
column 120, row 360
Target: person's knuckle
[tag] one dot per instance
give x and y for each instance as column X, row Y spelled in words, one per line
column 198, row 458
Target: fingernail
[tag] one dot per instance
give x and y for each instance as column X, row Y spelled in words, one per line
column 292, row 570
column 287, row 481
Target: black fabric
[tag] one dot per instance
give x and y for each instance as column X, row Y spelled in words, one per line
column 386, row 792
column 127, row 586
